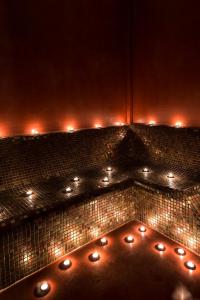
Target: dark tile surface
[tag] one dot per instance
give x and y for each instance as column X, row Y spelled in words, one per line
column 16, row 206
column 125, row 271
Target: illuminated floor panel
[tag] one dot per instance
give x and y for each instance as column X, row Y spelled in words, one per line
column 136, row 270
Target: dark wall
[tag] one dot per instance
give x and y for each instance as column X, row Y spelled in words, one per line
column 62, row 63
column 166, row 61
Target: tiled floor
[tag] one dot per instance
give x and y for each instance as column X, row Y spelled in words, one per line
column 125, row 271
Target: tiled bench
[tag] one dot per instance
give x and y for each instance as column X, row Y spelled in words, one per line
column 37, row 229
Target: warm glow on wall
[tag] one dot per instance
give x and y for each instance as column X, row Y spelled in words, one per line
column 152, row 122
column 178, row 124
column 34, row 131
column 70, row 129
column 97, row 126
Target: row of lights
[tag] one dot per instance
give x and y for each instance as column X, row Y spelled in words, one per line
column 177, row 124
column 104, row 180
column 43, row 288
column 76, row 179
column 71, row 129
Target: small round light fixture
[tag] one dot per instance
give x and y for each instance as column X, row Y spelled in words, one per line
column 103, row 241
column 160, row 247
column 94, row 257
column 145, row 170
column 178, row 124
column 190, row 265
column 76, row 179
column 70, row 129
column 152, row 123
column 66, row 264
column 170, row 175
column 105, row 180
column 129, row 239
column 42, row 289
column 29, row 193
column 97, row 126
column 180, row 251
column 34, row 131
column 68, row 190
column 109, row 169
column 142, row 229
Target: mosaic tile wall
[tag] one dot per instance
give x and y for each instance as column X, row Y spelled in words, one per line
column 25, row 160
column 173, row 214
column 174, row 147
column 35, row 244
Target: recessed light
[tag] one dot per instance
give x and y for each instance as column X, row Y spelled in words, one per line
column 109, row 169
column 42, row 289
column 34, row 131
column 29, row 193
column 103, row 241
column 66, row 264
column 145, row 170
column 180, row 251
column 98, row 126
column 160, row 247
column 76, row 179
column 105, row 179
column 70, row 129
column 178, row 124
column 129, row 239
column 68, row 190
column 94, row 257
column 190, row 265
column 152, row 123
column 170, row 175
column 142, row 229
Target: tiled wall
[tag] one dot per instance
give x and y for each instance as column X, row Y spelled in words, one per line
column 35, row 244
column 174, row 147
column 25, row 160
column 174, row 215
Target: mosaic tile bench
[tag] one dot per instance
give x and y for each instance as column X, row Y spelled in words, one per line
column 40, row 220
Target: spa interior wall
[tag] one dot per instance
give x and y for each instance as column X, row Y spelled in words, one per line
column 166, row 64
column 63, row 63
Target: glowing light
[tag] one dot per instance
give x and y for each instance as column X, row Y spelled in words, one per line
column 94, row 256
column 34, row 131
column 178, row 124
column 103, row 241
column 109, row 169
column 129, row 239
column 145, row 170
column 119, row 124
column 180, row 251
column 42, row 289
column 70, row 129
column 29, row 193
column 160, row 247
column 170, row 175
column 105, row 179
column 44, row 286
column 76, row 179
column 142, row 229
column 68, row 189
column 98, row 126
column 152, row 123
column 66, row 264
column 190, row 265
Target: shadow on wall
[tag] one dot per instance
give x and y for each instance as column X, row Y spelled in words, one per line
column 133, row 148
